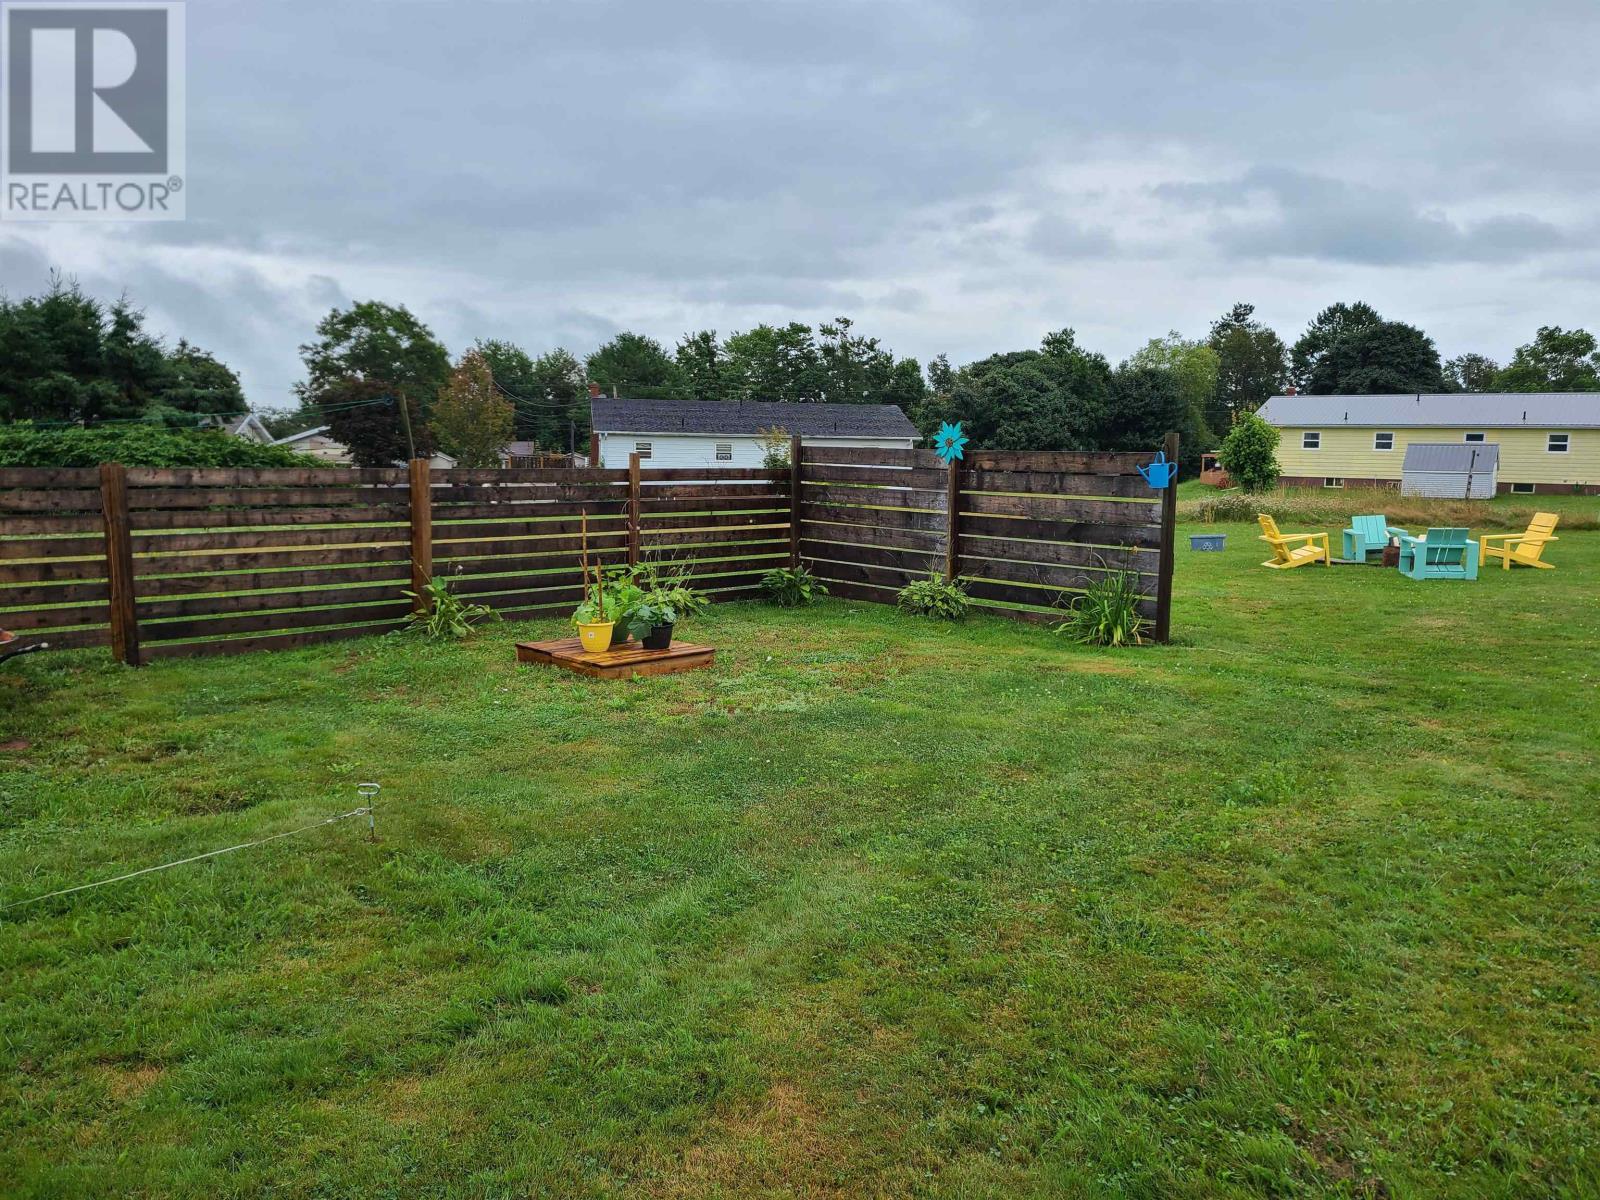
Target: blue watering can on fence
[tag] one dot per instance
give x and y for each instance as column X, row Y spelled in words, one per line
column 1160, row 473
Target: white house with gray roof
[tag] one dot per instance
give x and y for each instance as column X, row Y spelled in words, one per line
column 712, row 433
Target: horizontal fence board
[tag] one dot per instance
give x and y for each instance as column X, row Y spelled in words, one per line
column 709, row 474
column 1051, row 508
column 20, row 526
column 256, row 498
column 56, row 618
column 869, row 456
column 251, row 560
column 49, row 500
column 514, row 475
column 238, row 602
column 660, row 523
column 49, row 477
column 152, row 632
column 287, row 539
column 889, row 518
column 1059, row 483
column 253, row 477
column 873, row 535
column 66, row 570
column 549, row 526
column 1084, row 532
column 706, row 491
column 180, row 519
column 873, row 497
column 459, row 568
column 1077, row 462
column 548, row 493
column 1059, row 554
column 249, row 581
column 702, row 537
column 845, row 590
column 20, row 596
column 910, row 477
column 652, row 508
column 52, row 547
column 915, row 561
column 893, row 578
column 244, row 645
column 67, row 639
column 564, row 544
column 1045, row 574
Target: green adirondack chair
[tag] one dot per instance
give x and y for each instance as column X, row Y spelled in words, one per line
column 1369, row 535
column 1439, row 554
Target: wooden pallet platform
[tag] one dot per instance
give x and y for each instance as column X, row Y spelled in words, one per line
column 619, row 662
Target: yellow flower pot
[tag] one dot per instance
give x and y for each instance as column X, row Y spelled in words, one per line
column 596, row 635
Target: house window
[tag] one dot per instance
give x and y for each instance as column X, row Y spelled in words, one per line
column 1472, row 437
column 724, row 451
column 1311, row 439
column 1522, row 489
column 1558, row 443
column 1383, row 441
column 642, row 449
column 1333, row 481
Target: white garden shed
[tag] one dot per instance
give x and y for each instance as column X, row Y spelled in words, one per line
column 1450, row 470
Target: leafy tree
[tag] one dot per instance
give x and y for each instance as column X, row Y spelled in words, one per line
column 1390, row 356
column 707, row 372
column 1247, row 453
column 636, row 366
column 1146, row 403
column 64, row 356
column 1326, row 328
column 1557, row 360
column 139, row 445
column 196, row 382
column 1251, row 364
column 547, row 393
column 471, row 419
column 769, row 363
column 1471, row 373
column 1056, row 398
column 1194, row 366
column 370, row 351
column 363, row 415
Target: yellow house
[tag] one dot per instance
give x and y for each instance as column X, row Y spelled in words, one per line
column 1549, row 442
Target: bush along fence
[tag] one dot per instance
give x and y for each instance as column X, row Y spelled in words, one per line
column 176, row 562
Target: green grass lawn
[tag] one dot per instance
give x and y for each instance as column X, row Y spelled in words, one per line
column 1303, row 905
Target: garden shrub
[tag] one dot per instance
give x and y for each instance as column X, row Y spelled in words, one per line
column 934, row 597
column 792, row 587
column 139, row 446
column 1106, row 613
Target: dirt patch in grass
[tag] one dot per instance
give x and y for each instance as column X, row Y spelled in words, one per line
column 125, row 1083
column 777, row 1143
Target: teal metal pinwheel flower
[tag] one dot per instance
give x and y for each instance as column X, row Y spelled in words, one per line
column 948, row 441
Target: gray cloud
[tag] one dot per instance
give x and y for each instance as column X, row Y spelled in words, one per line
column 957, row 176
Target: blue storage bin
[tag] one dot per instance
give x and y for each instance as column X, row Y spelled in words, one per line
column 1208, row 541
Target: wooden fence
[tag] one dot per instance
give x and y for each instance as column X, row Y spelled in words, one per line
column 161, row 563
column 1022, row 528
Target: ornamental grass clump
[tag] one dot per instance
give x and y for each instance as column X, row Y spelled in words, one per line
column 1106, row 613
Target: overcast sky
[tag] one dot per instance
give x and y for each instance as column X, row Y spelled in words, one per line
column 958, row 177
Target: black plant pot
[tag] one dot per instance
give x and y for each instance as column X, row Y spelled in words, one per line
column 659, row 637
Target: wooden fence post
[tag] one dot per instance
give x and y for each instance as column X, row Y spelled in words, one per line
column 1169, row 524
column 119, row 563
column 421, row 530
column 952, row 523
column 794, row 501
column 633, row 509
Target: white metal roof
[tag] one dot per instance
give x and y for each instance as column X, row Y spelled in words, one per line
column 1458, row 457
column 1456, row 410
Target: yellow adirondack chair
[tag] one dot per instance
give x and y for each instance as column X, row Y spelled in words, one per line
column 1285, row 555
column 1524, row 548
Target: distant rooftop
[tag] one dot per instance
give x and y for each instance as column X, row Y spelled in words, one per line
column 748, row 416
column 1466, row 410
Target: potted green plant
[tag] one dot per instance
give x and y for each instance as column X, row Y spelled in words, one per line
column 664, row 600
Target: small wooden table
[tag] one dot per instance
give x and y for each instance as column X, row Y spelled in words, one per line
column 620, row 662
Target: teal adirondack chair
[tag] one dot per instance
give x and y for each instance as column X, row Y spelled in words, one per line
column 1439, row 554
column 1369, row 535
